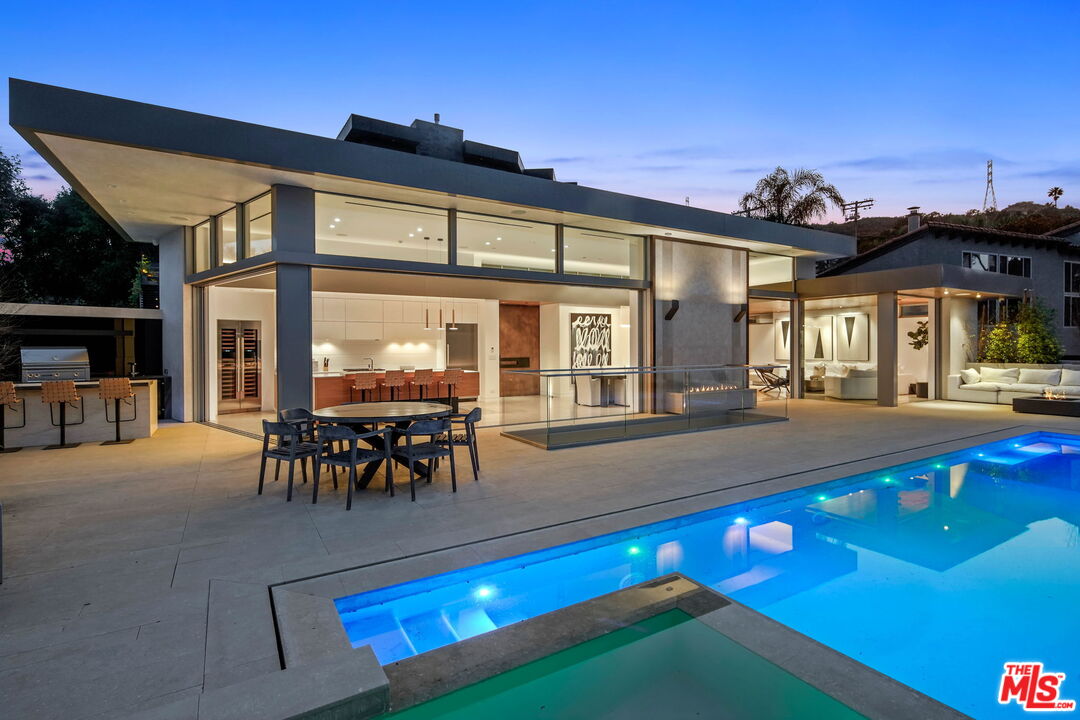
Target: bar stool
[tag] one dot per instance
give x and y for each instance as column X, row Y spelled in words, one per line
column 450, row 378
column 62, row 393
column 421, row 379
column 8, row 402
column 394, row 379
column 118, row 390
column 365, row 383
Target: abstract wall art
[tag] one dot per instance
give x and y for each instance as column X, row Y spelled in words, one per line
column 590, row 340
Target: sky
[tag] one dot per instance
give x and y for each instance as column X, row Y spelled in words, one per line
column 903, row 103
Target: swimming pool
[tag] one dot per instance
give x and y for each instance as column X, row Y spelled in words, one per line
column 935, row 573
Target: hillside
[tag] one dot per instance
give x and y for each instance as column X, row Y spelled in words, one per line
column 1026, row 217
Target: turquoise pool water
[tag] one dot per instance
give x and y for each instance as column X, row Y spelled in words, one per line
column 935, row 573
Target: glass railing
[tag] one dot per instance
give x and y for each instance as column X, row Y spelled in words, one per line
column 585, row 406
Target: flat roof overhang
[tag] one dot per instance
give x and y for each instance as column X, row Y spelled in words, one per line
column 922, row 280
column 149, row 169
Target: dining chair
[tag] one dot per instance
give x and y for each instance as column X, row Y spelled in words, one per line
column 302, row 420
column 467, row 422
column 437, row 446
column 394, row 379
column 420, row 380
column 351, row 456
column 365, row 383
column 288, row 446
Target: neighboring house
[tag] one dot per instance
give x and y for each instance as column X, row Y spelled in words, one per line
column 1048, row 266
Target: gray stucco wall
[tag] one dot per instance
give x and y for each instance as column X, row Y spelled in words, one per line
column 175, row 303
column 1047, row 270
column 710, row 285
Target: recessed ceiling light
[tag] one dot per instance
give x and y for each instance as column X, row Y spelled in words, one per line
column 498, row 238
column 552, row 249
column 419, row 229
column 332, row 226
column 337, row 219
column 412, row 235
column 487, row 242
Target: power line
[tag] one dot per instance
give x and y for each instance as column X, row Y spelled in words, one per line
column 853, row 208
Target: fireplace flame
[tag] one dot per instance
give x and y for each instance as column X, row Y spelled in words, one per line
column 1049, row 394
column 711, row 388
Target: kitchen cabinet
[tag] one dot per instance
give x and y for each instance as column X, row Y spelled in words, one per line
column 363, row 331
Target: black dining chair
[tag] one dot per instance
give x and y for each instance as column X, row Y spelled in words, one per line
column 437, row 446
column 288, row 446
column 351, row 456
column 302, row 419
column 467, row 422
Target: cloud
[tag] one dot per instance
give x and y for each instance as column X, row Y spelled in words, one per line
column 658, row 168
column 1058, row 173
column 689, row 152
column 751, row 170
column 921, row 160
column 566, row 160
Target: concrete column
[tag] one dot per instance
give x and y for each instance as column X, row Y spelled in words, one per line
column 886, row 348
column 293, row 342
column 293, row 221
column 176, row 323
column 795, row 350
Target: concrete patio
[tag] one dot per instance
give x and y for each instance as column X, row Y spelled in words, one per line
column 137, row 576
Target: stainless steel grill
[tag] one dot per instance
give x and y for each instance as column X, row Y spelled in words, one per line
column 55, row 363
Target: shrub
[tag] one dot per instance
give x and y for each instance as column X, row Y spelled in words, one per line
column 998, row 344
column 1036, row 340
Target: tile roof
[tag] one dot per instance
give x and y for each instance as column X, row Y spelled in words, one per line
column 971, row 230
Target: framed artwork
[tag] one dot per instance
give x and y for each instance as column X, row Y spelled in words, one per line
column 782, row 339
column 818, row 338
column 590, row 340
column 853, row 337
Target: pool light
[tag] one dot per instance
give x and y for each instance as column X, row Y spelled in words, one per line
column 938, row 466
column 633, row 550
column 741, row 521
column 484, row 592
column 888, row 479
column 821, row 498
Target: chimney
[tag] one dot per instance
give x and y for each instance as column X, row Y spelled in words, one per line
column 437, row 118
column 914, row 219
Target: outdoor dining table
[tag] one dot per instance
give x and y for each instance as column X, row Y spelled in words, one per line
column 400, row 413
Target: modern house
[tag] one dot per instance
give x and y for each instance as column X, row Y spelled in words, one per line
column 288, row 259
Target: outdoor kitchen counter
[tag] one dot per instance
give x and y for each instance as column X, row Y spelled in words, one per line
column 39, row 429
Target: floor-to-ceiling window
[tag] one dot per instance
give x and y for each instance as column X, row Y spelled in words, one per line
column 839, row 348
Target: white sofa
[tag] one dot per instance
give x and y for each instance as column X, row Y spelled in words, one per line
column 847, row 381
column 1001, row 385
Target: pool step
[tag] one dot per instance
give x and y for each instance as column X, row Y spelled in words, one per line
column 428, row 630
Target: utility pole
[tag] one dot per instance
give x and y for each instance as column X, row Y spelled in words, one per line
column 989, row 197
column 853, row 208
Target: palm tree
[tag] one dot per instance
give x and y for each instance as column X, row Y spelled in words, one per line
column 794, row 198
column 1055, row 194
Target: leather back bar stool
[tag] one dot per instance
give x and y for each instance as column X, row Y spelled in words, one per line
column 394, row 379
column 9, row 401
column 118, row 391
column 365, row 383
column 62, row 393
column 421, row 379
column 450, row 378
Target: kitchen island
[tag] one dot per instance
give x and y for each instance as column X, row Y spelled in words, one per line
column 332, row 388
column 39, row 429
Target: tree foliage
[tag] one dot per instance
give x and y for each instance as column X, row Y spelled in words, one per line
column 998, row 344
column 794, row 198
column 1031, row 339
column 60, row 250
column 1036, row 340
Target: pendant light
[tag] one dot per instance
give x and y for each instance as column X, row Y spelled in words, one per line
column 427, row 319
column 453, row 319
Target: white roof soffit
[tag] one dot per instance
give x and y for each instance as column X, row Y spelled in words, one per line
column 150, row 169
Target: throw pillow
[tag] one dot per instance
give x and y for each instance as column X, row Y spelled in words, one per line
column 1034, row 376
column 969, row 376
column 1006, row 376
column 1070, row 377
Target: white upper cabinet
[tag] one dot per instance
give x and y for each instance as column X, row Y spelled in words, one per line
column 412, row 312
column 364, row 310
column 333, row 309
column 316, row 309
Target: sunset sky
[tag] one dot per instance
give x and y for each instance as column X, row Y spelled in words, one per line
column 667, row 100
